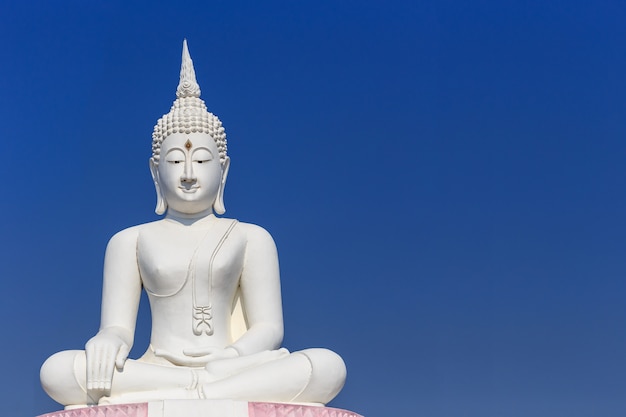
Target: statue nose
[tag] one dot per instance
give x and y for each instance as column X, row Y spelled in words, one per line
column 188, row 175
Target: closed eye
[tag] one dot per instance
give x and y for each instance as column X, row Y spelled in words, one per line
column 202, row 155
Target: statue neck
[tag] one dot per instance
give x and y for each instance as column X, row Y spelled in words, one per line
column 189, row 219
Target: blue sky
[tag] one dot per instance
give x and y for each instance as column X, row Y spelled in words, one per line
column 444, row 180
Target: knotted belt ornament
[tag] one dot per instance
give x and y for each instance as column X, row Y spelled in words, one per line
column 202, row 316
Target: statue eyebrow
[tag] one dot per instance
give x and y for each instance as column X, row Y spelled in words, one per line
column 172, row 150
column 193, row 154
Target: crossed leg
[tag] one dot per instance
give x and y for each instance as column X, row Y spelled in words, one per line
column 308, row 376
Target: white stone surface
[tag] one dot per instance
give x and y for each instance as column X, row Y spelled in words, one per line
column 213, row 286
column 198, row 408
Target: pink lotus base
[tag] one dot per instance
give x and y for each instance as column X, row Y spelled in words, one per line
column 124, row 410
column 203, row 409
column 290, row 410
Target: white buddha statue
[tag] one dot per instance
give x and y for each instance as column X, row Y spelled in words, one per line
column 213, row 286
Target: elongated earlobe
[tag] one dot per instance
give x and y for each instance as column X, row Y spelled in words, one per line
column 218, row 204
column 161, row 205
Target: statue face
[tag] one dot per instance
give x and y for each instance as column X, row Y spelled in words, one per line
column 189, row 173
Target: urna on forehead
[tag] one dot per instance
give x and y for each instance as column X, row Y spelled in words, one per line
column 188, row 114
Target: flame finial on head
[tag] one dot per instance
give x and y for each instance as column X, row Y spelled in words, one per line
column 188, row 114
column 188, row 86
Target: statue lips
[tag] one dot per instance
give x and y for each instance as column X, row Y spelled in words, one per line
column 189, row 190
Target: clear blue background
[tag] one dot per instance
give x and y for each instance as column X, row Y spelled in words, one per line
column 444, row 180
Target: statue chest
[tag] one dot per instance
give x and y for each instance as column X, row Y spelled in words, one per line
column 202, row 263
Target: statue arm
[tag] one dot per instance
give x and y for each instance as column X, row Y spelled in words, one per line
column 120, row 301
column 260, row 291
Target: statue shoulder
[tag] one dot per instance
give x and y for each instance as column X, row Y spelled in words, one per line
column 255, row 234
column 128, row 236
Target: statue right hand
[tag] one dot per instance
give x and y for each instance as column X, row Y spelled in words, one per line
column 105, row 351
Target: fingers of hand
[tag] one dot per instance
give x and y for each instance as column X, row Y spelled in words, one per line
column 203, row 351
column 100, row 364
column 106, row 367
column 178, row 360
column 90, row 352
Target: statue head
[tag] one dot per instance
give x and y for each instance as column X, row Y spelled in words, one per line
column 185, row 142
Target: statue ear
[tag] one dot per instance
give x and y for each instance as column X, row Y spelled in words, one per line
column 218, row 204
column 161, row 205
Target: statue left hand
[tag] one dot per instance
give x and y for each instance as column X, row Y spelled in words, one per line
column 198, row 356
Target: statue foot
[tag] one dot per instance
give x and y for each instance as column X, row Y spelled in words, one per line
column 311, row 377
column 189, row 392
column 76, row 406
column 146, row 396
